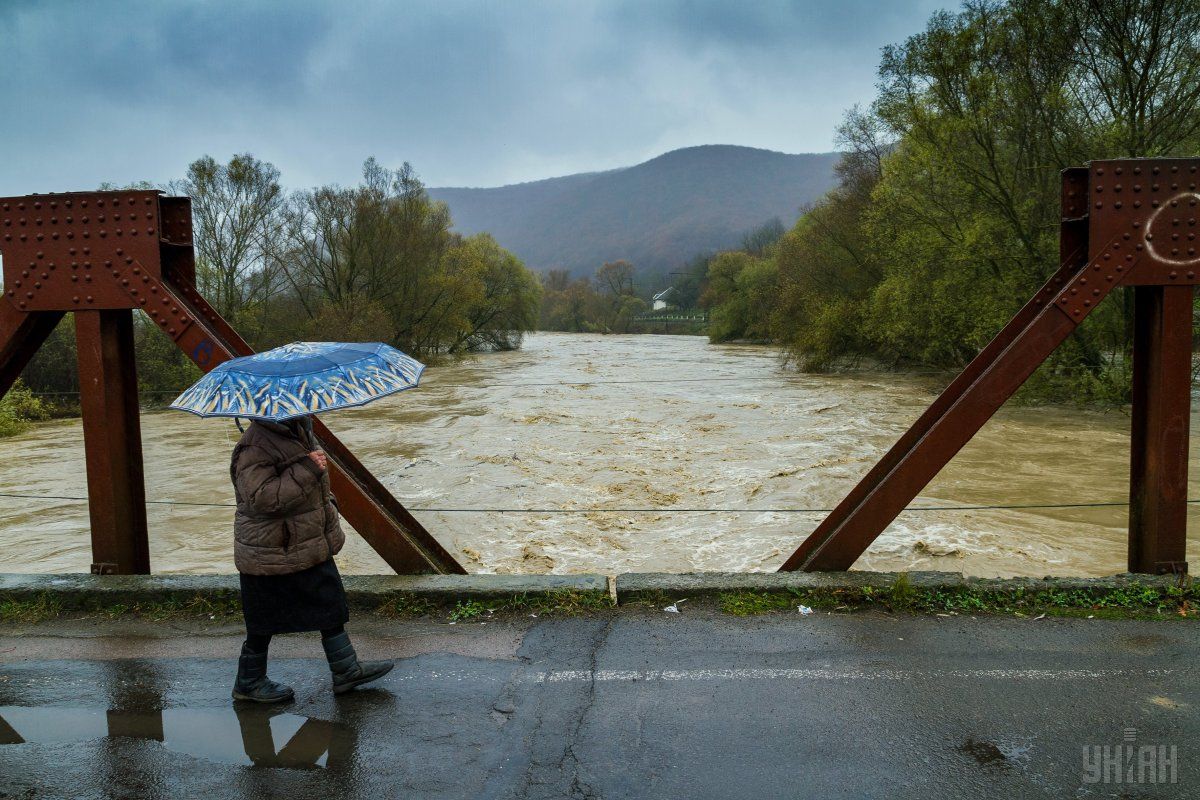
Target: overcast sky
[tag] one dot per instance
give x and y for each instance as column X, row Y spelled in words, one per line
column 472, row 92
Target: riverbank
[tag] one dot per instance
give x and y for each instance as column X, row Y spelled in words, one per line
column 33, row 598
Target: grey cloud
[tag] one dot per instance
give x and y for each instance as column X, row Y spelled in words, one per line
column 470, row 91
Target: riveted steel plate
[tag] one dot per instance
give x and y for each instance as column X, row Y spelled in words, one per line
column 1142, row 229
column 1146, row 211
column 68, row 252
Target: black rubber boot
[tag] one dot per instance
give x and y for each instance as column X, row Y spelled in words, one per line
column 252, row 681
column 347, row 670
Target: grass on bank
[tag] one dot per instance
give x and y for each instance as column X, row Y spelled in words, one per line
column 559, row 602
column 47, row 605
column 1135, row 600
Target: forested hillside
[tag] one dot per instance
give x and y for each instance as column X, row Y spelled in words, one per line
column 655, row 215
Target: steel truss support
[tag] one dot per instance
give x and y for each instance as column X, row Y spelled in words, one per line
column 112, row 440
column 101, row 255
column 1162, row 399
column 1126, row 223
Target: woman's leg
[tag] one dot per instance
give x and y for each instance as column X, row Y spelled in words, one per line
column 347, row 670
column 258, row 642
column 252, row 681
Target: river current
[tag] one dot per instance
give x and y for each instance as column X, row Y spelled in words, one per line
column 671, row 455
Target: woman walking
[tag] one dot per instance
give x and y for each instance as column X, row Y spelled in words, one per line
column 286, row 534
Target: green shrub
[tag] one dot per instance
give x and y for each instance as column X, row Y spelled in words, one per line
column 18, row 408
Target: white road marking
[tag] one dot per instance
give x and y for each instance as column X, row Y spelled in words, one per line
column 799, row 675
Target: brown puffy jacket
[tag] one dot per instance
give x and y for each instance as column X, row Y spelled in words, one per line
column 286, row 519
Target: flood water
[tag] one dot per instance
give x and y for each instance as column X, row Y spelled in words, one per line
column 584, row 453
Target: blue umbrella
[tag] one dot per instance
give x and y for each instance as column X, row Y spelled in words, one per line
column 299, row 379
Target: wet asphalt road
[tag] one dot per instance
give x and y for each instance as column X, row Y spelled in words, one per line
column 622, row 705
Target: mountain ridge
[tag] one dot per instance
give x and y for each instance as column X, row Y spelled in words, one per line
column 657, row 214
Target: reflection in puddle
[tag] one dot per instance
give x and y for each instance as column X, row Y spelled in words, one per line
column 251, row 737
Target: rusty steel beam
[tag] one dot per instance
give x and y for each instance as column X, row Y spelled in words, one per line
column 1162, row 396
column 887, row 496
column 1073, row 253
column 400, row 539
column 100, row 254
column 21, row 334
column 1124, row 223
column 112, row 442
column 951, row 395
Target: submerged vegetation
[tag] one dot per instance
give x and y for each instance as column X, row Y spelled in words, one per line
column 373, row 262
column 945, row 219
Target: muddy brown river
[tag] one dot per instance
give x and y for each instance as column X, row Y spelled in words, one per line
column 609, row 454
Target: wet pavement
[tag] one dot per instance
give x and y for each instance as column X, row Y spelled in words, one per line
column 614, row 705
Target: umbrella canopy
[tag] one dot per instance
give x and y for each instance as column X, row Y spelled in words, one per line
column 299, row 379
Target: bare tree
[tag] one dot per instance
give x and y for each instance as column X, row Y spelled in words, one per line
column 1140, row 69
column 235, row 209
column 616, row 278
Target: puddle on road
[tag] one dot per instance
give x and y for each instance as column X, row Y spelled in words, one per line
column 996, row 756
column 252, row 737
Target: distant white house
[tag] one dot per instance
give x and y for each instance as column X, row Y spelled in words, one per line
column 662, row 299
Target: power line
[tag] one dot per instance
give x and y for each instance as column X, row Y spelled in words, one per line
column 646, row 510
column 713, row 379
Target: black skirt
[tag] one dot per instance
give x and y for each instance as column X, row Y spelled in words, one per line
column 309, row 600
